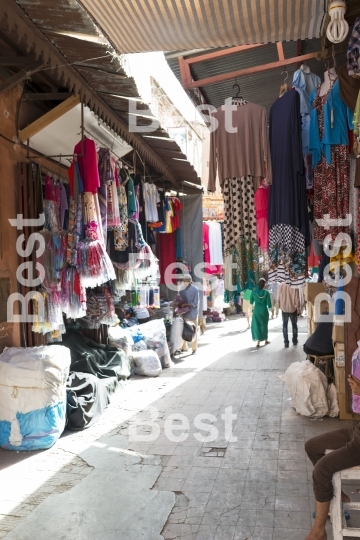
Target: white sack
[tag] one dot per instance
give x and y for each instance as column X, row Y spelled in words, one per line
column 333, row 401
column 154, row 333
column 176, row 340
column 33, row 396
column 147, row 363
column 308, row 389
column 121, row 338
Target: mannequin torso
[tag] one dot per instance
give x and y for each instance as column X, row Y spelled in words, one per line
column 330, row 77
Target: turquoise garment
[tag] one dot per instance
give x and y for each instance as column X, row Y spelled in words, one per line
column 336, row 134
column 260, row 317
column 131, row 197
column 247, row 294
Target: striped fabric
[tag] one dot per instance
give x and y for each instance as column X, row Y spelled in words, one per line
column 167, row 25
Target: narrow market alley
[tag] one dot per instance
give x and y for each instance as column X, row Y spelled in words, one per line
column 97, row 484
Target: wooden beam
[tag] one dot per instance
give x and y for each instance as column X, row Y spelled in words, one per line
column 19, row 77
column 280, row 50
column 218, row 54
column 13, row 60
column 251, row 70
column 185, row 72
column 101, row 69
column 298, row 50
column 48, row 118
column 54, row 96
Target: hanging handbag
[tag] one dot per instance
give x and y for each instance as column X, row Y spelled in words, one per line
column 189, row 330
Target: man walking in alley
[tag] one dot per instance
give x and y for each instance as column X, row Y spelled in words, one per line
column 289, row 303
column 190, row 295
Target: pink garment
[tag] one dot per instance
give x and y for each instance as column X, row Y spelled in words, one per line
column 52, row 191
column 209, row 268
column 261, row 199
column 88, row 165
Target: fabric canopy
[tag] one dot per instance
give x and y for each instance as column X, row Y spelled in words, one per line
column 168, row 25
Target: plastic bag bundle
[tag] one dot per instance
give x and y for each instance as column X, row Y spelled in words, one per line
column 308, row 389
column 121, row 338
column 32, row 396
column 147, row 363
column 154, row 333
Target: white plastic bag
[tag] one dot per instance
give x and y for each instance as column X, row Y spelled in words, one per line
column 333, row 401
column 176, row 340
column 154, row 333
column 139, row 346
column 121, row 338
column 33, row 396
column 308, row 388
column 147, row 363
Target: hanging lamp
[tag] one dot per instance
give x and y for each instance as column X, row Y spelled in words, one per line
column 338, row 27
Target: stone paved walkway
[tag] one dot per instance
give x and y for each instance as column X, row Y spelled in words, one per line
column 98, row 484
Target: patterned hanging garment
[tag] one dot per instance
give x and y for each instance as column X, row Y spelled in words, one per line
column 240, row 236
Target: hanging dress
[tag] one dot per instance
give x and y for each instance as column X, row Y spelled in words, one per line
column 288, row 215
column 261, row 199
column 331, row 180
column 238, row 157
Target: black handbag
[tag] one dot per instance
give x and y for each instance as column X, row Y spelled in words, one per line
column 188, row 332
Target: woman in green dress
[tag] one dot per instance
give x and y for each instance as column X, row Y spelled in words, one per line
column 260, row 319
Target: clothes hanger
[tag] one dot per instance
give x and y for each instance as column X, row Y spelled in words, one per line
column 284, row 87
column 305, row 68
column 236, row 99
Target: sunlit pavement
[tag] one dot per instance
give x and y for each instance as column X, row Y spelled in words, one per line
column 99, row 484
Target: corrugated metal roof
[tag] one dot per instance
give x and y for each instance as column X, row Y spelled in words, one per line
column 152, row 25
column 263, row 87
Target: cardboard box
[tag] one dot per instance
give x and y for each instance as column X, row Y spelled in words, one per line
column 342, row 406
column 313, row 326
column 339, row 373
column 324, row 306
column 312, row 290
column 339, row 354
column 338, row 334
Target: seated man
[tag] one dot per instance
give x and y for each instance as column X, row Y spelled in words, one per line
column 320, row 343
column 345, row 444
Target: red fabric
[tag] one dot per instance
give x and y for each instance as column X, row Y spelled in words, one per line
column 209, row 268
column 313, row 260
column 166, row 254
column 71, row 178
column 77, row 286
column 261, row 199
column 52, row 191
column 88, row 165
column 177, row 206
column 351, row 139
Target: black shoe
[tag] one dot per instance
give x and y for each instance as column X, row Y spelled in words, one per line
column 295, row 342
column 286, row 346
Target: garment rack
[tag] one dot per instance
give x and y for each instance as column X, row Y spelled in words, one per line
column 59, row 175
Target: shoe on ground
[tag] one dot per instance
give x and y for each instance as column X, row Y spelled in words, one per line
column 286, row 346
column 295, row 343
column 194, row 352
